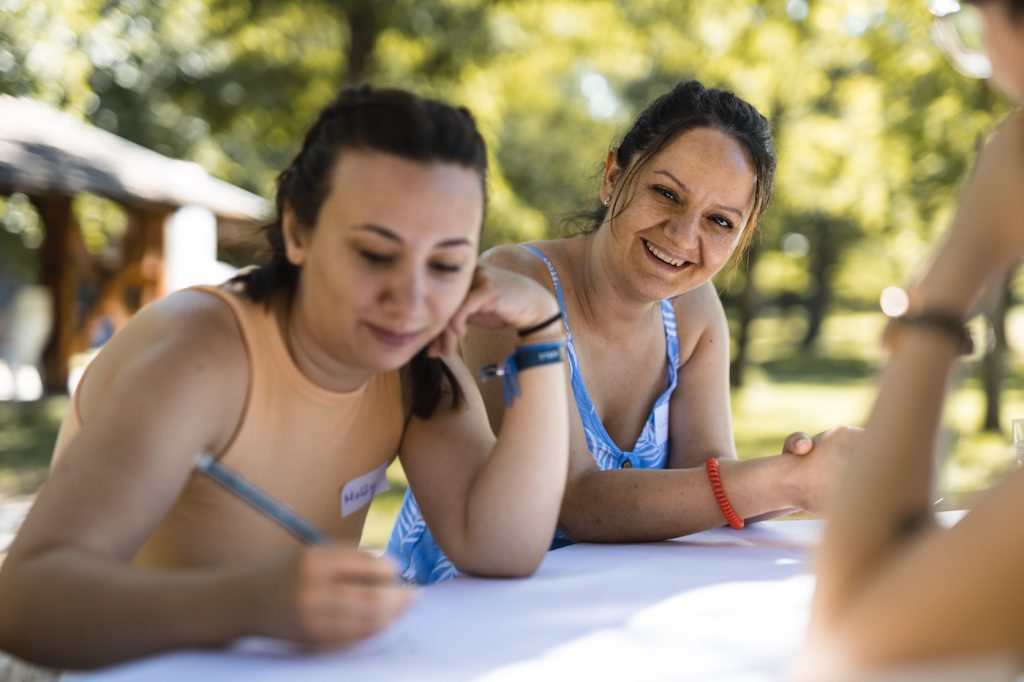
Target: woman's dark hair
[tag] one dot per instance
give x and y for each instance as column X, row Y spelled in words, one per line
column 1016, row 6
column 383, row 120
column 687, row 106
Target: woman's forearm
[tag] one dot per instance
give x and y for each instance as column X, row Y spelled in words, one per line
column 639, row 505
column 514, row 501
column 69, row 609
column 888, row 485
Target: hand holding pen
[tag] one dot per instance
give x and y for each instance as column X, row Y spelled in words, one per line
column 324, row 594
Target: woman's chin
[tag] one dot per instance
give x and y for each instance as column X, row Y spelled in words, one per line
column 390, row 360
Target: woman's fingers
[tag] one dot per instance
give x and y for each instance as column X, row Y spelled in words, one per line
column 350, row 612
column 798, row 443
column 501, row 298
column 444, row 345
column 347, row 564
column 328, row 596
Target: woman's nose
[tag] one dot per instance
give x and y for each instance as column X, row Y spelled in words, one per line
column 683, row 232
column 404, row 289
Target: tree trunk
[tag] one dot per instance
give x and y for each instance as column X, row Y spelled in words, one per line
column 747, row 304
column 823, row 260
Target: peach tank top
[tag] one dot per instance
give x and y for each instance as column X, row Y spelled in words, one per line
column 295, row 440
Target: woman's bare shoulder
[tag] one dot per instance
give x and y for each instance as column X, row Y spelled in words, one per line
column 516, row 258
column 700, row 307
column 193, row 320
column 187, row 329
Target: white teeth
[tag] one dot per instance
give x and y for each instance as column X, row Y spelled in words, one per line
column 660, row 256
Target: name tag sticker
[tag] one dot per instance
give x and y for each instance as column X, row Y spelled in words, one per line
column 358, row 492
column 661, row 423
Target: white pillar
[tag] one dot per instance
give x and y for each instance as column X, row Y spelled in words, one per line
column 190, row 250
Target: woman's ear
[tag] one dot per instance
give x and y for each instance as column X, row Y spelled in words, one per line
column 610, row 176
column 294, row 237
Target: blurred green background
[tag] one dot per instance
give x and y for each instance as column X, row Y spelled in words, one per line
column 874, row 133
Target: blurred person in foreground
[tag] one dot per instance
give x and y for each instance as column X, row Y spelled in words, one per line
column 896, row 592
column 652, row 453
column 306, row 376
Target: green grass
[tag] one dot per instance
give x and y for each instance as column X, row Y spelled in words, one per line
column 784, row 392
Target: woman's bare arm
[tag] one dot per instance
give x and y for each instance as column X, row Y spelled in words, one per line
column 882, row 562
column 169, row 385
column 635, row 505
column 492, row 503
column 67, row 578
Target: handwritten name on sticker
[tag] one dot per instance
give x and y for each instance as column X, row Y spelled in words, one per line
column 358, row 492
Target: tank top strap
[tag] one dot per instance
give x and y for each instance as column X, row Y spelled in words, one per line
column 598, row 440
column 668, row 317
column 557, row 282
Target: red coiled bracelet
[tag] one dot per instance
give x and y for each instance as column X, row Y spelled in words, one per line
column 711, row 464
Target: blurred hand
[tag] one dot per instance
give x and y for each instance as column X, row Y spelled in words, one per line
column 818, row 468
column 329, row 596
column 497, row 298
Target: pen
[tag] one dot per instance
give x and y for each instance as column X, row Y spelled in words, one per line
column 259, row 500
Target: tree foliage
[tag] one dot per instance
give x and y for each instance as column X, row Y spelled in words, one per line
column 873, row 128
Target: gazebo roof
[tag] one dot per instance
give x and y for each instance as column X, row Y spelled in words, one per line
column 48, row 152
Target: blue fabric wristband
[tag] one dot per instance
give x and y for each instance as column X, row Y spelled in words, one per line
column 524, row 357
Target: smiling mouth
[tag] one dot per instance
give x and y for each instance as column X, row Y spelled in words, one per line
column 662, row 256
column 391, row 338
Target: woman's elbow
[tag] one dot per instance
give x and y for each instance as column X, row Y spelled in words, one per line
column 520, row 564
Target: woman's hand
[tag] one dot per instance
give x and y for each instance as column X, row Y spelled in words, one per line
column 328, row 596
column 497, row 298
column 818, row 463
column 987, row 234
column 798, row 443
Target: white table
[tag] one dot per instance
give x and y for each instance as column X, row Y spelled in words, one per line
column 722, row 606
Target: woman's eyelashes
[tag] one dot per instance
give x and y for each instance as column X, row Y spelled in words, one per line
column 721, row 222
column 383, row 260
column 374, row 258
column 666, row 193
column 445, row 268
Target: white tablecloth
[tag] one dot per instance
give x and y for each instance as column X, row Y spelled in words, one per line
column 721, row 606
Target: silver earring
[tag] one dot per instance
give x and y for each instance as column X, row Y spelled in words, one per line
column 606, row 200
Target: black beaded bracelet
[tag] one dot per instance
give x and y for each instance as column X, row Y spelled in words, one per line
column 940, row 321
column 537, row 327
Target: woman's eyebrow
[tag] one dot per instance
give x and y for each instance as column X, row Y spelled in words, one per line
column 388, row 234
column 380, row 231
column 721, row 207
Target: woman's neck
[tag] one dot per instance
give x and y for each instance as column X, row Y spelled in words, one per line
column 311, row 357
column 603, row 293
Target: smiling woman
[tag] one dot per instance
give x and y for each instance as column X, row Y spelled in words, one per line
column 305, row 376
column 652, row 454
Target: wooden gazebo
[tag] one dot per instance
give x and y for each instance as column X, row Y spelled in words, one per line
column 51, row 156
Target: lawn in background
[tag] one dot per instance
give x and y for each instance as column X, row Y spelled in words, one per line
column 784, row 392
